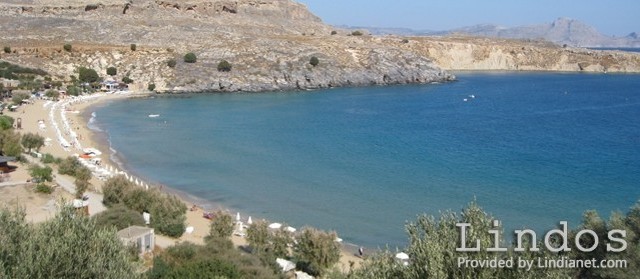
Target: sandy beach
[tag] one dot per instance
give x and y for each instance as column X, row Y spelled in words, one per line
column 67, row 133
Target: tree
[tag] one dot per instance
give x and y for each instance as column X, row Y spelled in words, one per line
column 133, row 47
column 7, row 49
column 356, row 33
column 314, row 61
column 73, row 90
column 83, row 175
column 87, row 75
column 127, row 79
column 11, row 144
column 112, row 71
column 190, row 58
column 224, row 66
column 67, row 47
column 171, row 63
column 115, row 189
column 316, row 250
column 334, row 32
column 19, row 97
column 41, row 174
column 69, row 165
column 151, row 86
column 222, row 225
column 32, row 141
column 67, row 246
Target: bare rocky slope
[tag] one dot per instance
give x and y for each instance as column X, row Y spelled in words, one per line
column 268, row 42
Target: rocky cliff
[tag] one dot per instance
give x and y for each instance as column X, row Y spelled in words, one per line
column 268, row 42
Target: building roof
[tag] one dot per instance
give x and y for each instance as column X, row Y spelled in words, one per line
column 134, row 232
column 4, row 159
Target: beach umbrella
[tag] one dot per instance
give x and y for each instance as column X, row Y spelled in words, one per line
column 250, row 222
column 238, row 217
column 146, row 186
column 126, row 175
column 402, row 256
column 275, row 226
column 290, row 229
column 137, row 182
column 131, row 179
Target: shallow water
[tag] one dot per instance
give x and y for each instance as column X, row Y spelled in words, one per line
column 532, row 148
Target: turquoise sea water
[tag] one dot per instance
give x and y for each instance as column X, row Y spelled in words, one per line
column 532, row 148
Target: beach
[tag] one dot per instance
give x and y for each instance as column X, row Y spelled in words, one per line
column 64, row 125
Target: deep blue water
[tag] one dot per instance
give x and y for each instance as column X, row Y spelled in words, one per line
column 532, row 148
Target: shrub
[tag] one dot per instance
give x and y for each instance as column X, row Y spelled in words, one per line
column 316, row 251
column 7, row 49
column 405, row 41
column 112, row 71
column 6, row 122
column 133, row 47
column 53, row 94
column 68, row 166
column 171, row 63
column 73, row 90
column 127, row 80
column 224, row 66
column 48, row 159
column 151, row 86
column 357, row 33
column 118, row 216
column 41, row 174
column 115, row 189
column 334, row 32
column 222, row 225
column 87, row 75
column 190, row 57
column 67, row 47
column 314, row 61
column 19, row 97
column 43, row 188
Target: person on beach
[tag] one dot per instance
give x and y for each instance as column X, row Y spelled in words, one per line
column 361, row 251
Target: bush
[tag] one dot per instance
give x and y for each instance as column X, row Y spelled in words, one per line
column 314, row 61
column 41, row 174
column 48, row 159
column 67, row 47
column 133, row 47
column 53, row 94
column 190, row 57
column 356, row 33
column 19, row 97
column 43, row 189
column 224, row 66
column 127, row 80
column 151, row 86
column 6, row 122
column 171, row 63
column 112, row 71
column 73, row 90
column 87, row 75
column 222, row 225
column 334, row 32
column 316, row 251
column 7, row 49
column 115, row 189
column 119, row 217
column 68, row 166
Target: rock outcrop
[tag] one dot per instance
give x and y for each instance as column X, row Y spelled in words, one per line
column 268, row 42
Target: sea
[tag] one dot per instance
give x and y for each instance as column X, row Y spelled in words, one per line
column 531, row 148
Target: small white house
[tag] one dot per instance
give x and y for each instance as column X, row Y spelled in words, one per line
column 143, row 238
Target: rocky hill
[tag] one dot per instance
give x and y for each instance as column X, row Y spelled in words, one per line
column 268, row 42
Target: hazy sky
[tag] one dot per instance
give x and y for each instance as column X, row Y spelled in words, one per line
column 613, row 17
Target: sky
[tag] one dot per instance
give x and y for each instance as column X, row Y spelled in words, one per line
column 613, row 17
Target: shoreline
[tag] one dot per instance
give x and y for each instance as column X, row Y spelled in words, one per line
column 100, row 139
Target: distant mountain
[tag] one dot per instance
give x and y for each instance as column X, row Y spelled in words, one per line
column 562, row 31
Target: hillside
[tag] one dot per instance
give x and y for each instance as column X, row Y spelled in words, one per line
column 268, row 42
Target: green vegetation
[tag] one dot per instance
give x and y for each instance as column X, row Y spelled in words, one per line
column 314, row 61
column 112, row 71
column 151, row 86
column 74, row 91
column 357, row 33
column 316, row 251
column 41, row 174
column 224, row 66
column 71, row 166
column 127, row 80
column 43, row 188
column 53, row 94
column 118, row 217
column 67, row 47
column 11, row 71
column 222, row 225
column 19, row 97
column 32, row 141
column 167, row 211
column 334, row 32
column 6, row 122
column 67, row 246
column 190, row 58
column 171, row 63
column 133, row 47
column 87, row 75
column 7, row 49
column 50, row 159
column 10, row 142
column 216, row 259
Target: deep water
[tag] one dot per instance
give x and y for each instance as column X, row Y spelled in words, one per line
column 532, row 148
